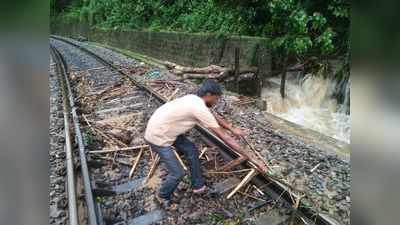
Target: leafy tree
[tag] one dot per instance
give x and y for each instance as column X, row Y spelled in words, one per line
column 302, row 28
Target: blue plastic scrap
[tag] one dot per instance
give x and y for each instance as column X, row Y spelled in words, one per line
column 153, row 74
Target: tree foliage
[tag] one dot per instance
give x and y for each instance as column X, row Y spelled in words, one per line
column 298, row 27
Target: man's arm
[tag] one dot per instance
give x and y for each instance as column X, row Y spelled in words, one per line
column 223, row 123
column 221, row 133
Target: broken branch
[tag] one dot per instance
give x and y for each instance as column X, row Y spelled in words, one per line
column 136, row 163
column 245, row 180
column 119, row 149
column 95, row 130
column 228, row 172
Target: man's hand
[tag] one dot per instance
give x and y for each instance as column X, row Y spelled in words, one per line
column 239, row 132
column 235, row 131
column 222, row 133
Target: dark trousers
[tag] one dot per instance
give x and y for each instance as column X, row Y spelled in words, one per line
column 175, row 170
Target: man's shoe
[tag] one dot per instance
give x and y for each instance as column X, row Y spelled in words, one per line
column 200, row 190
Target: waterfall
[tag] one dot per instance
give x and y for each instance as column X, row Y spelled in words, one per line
column 345, row 93
column 311, row 102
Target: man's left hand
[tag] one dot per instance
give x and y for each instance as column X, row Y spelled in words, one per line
column 239, row 132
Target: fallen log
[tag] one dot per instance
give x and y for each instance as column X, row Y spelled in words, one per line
column 200, row 70
column 208, row 72
column 242, row 76
column 211, row 69
column 169, row 65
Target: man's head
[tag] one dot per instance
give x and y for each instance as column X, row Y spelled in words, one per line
column 210, row 91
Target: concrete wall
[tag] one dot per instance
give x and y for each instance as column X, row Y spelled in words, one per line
column 181, row 48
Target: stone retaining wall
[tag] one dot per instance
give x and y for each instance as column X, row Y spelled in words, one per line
column 181, row 48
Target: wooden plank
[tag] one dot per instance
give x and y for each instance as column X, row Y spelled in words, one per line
column 245, row 180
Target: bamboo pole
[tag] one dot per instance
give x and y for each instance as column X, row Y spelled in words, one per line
column 258, row 190
column 119, row 149
column 202, row 152
column 245, row 180
column 255, row 151
column 136, row 163
column 173, row 94
column 180, row 160
column 152, row 168
column 315, row 167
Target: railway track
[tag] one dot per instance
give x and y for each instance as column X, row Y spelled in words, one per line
column 122, row 107
column 70, row 108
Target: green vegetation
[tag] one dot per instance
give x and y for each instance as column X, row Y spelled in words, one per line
column 300, row 28
column 220, row 219
column 87, row 136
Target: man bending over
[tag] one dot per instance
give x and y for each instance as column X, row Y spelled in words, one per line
column 167, row 126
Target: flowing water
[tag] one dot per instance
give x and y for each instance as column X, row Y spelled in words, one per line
column 310, row 102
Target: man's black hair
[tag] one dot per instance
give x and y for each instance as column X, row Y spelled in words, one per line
column 211, row 87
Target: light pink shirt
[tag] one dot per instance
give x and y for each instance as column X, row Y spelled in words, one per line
column 177, row 117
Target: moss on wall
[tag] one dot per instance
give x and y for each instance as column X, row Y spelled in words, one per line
column 183, row 48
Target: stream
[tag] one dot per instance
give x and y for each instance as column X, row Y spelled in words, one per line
column 312, row 102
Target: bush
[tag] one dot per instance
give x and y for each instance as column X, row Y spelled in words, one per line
column 298, row 27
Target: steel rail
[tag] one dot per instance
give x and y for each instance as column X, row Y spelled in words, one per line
column 273, row 188
column 92, row 210
column 72, row 204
